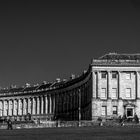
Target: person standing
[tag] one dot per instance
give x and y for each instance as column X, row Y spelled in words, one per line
column 9, row 124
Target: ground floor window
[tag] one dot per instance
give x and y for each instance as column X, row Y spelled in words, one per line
column 114, row 110
column 104, row 110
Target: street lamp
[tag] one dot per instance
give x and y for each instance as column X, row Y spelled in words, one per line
column 79, row 108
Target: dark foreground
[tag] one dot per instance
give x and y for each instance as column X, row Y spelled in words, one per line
column 86, row 133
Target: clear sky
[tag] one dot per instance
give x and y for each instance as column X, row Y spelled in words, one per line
column 43, row 41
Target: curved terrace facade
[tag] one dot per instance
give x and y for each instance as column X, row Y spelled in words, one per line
column 109, row 88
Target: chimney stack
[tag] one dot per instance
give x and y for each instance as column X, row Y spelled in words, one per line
column 58, row 80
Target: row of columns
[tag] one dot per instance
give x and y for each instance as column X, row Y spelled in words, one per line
column 72, row 103
column 96, row 84
column 23, row 106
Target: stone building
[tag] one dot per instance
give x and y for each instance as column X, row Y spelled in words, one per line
column 109, row 88
column 116, row 85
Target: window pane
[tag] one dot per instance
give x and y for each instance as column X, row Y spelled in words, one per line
column 103, row 93
column 115, row 110
column 103, row 75
column 104, row 110
column 128, row 93
column 114, row 92
column 128, row 76
column 114, row 75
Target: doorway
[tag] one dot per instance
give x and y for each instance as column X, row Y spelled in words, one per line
column 129, row 112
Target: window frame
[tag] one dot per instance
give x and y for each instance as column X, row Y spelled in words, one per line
column 114, row 97
column 116, row 110
column 105, row 111
column 126, row 93
column 128, row 78
column 105, row 93
column 103, row 74
column 115, row 75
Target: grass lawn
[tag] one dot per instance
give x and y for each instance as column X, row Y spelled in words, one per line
column 85, row 133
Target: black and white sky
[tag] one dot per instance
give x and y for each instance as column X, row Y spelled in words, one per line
column 42, row 41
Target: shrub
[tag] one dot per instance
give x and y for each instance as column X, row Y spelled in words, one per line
column 136, row 118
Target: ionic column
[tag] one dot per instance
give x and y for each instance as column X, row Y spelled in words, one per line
column 94, row 90
column 50, row 104
column 62, row 102
column 119, row 84
column 5, row 107
column 18, row 106
column 8, row 104
column 97, row 85
column 42, row 105
column 10, row 108
column 46, row 104
column 38, row 106
column 25, row 106
column 24, row 111
column 74, row 105
column 54, row 104
column 108, row 84
column 66, row 103
column 137, row 85
column 29, row 105
column 21, row 105
column 1, row 108
column 33, row 106
column 14, row 107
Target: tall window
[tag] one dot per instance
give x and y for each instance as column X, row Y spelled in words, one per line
column 103, row 93
column 104, row 110
column 114, row 92
column 103, row 75
column 114, row 110
column 114, row 75
column 128, row 76
column 128, row 92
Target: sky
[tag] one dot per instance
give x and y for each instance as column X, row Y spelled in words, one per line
column 44, row 41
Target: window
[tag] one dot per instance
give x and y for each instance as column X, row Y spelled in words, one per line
column 104, row 110
column 114, row 110
column 128, row 76
column 128, row 92
column 114, row 92
column 114, row 75
column 103, row 75
column 103, row 93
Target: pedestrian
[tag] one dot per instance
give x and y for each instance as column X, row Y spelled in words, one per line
column 9, row 124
